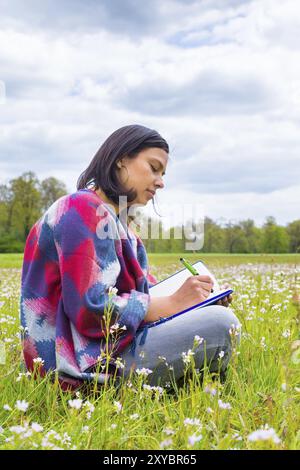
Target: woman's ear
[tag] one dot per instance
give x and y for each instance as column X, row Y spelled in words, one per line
column 119, row 164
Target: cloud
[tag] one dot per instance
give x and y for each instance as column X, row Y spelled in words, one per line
column 211, row 92
column 218, row 79
column 77, row 16
column 122, row 17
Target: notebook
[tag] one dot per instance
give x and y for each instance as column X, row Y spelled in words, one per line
column 172, row 283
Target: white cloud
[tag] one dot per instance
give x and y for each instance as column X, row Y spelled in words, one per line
column 220, row 81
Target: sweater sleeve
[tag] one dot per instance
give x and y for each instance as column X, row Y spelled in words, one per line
column 151, row 279
column 89, row 267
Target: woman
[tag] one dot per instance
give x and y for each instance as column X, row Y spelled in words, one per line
column 81, row 248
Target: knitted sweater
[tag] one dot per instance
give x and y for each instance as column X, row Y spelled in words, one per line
column 74, row 254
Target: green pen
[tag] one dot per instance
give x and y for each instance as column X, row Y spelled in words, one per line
column 190, row 268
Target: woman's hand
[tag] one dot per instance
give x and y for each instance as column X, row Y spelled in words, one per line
column 226, row 301
column 194, row 290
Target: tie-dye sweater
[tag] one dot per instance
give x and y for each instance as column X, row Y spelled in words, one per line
column 73, row 255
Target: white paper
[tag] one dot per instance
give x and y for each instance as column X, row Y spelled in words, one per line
column 170, row 285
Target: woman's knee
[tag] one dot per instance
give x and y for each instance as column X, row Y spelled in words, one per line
column 224, row 323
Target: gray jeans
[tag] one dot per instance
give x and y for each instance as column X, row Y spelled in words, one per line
column 160, row 348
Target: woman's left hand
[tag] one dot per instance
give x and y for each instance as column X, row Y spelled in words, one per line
column 225, row 301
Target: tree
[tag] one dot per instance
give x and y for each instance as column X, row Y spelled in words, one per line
column 51, row 189
column 235, row 239
column 253, row 236
column 214, row 240
column 293, row 229
column 26, row 202
column 275, row 237
column 5, row 209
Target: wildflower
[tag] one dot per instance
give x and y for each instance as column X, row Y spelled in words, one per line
column 237, row 437
column 209, row 410
column 23, row 328
column 90, row 409
column 187, row 357
column 38, row 360
column 283, row 387
column 114, row 328
column 76, row 404
column 85, row 429
column 17, row 429
column 169, row 432
column 224, row 406
column 198, row 340
column 7, row 408
column 235, row 329
column 160, row 390
column 21, row 374
column 118, row 406
column 194, row 438
column 112, row 291
column 262, row 343
column 113, row 426
column 36, row 427
column 264, row 434
column 1, row 430
column 192, row 422
column 221, row 354
column 119, row 364
column 66, row 439
column 162, row 358
column 165, row 443
column 211, row 390
column 22, row 405
column 144, row 371
column 134, row 416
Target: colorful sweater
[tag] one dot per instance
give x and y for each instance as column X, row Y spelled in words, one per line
column 68, row 269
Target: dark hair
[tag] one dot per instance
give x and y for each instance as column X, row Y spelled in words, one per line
column 126, row 141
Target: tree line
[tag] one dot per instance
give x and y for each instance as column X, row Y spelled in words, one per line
column 24, row 199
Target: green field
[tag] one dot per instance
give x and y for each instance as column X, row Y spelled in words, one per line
column 161, row 259
column 256, row 407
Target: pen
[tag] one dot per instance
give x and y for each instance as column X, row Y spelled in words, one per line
column 190, row 268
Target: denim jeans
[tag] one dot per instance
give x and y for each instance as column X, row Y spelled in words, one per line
column 160, row 348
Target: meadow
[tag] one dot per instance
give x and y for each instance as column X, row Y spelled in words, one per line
column 257, row 406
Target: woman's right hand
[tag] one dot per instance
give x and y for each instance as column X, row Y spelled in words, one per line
column 194, row 290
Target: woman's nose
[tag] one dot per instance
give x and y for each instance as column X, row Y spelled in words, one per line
column 160, row 183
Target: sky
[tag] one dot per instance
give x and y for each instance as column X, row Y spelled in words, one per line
column 218, row 79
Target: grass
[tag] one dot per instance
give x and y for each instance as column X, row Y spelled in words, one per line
column 262, row 386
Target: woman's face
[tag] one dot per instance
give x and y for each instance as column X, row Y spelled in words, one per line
column 144, row 173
